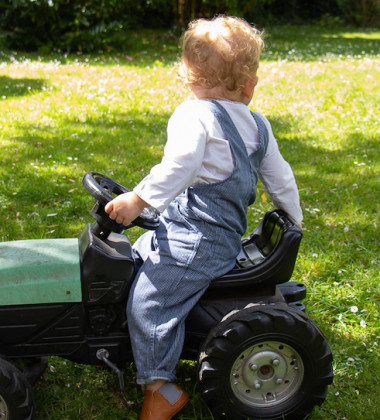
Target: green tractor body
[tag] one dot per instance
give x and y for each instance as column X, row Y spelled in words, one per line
column 40, row 271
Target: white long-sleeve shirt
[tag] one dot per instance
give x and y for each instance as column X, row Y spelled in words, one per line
column 197, row 151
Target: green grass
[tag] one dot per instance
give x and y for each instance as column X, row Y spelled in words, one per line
column 63, row 115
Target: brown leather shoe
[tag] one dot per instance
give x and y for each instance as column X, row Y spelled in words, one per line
column 164, row 403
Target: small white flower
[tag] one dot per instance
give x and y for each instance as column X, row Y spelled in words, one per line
column 354, row 309
column 346, row 229
column 315, row 255
column 340, row 317
column 363, row 323
column 350, row 360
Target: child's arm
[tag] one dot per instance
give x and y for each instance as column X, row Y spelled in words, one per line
column 183, row 155
column 278, row 179
column 125, row 208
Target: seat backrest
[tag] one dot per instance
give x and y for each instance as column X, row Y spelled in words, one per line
column 273, row 228
column 268, row 255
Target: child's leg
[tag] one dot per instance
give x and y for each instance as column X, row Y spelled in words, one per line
column 159, row 302
column 169, row 284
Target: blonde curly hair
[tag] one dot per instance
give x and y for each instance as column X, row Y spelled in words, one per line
column 222, row 52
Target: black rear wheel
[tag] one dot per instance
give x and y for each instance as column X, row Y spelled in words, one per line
column 265, row 362
column 16, row 399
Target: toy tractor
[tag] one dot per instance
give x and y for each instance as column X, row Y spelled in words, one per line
column 259, row 356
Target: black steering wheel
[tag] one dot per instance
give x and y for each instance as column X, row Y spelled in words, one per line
column 104, row 190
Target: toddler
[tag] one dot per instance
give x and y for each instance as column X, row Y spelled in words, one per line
column 216, row 151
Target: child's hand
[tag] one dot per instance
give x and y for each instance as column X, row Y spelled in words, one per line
column 125, row 208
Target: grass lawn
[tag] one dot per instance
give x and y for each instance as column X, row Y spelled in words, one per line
column 64, row 115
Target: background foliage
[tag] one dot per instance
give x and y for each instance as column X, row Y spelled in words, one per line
column 92, row 25
column 79, row 25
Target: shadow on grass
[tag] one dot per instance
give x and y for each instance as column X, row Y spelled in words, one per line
column 126, row 143
column 142, row 48
column 14, row 87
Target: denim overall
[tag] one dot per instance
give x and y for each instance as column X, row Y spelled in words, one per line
column 197, row 240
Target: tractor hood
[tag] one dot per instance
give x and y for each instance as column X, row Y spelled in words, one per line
column 40, row 271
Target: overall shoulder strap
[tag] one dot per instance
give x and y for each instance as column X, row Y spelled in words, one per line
column 227, row 125
column 263, row 131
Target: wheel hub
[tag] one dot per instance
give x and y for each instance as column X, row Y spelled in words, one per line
column 3, row 409
column 266, row 374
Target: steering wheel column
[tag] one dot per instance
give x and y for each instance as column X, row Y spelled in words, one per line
column 103, row 225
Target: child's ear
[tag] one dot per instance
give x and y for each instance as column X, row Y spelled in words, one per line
column 249, row 87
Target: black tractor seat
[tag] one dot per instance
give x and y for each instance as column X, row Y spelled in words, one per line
column 268, row 255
